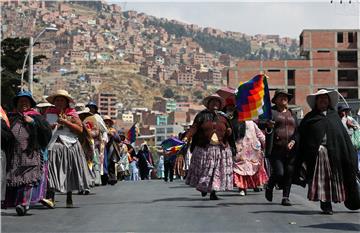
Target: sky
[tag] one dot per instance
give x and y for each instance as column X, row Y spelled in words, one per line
column 285, row 18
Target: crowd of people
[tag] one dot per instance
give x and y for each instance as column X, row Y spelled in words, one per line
column 51, row 147
column 318, row 152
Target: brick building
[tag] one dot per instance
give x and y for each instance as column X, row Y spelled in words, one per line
column 107, row 104
column 331, row 59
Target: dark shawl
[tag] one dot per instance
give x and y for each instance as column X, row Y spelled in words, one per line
column 39, row 133
column 25, row 166
column 342, row 155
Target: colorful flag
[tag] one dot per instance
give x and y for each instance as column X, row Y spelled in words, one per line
column 172, row 144
column 131, row 134
column 253, row 99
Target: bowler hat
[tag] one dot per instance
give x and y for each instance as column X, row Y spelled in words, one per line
column 281, row 91
column 92, row 104
column 343, row 107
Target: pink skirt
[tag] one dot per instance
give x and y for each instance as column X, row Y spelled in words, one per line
column 254, row 181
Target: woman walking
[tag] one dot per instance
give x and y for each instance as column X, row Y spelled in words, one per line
column 327, row 151
column 146, row 162
column 281, row 146
column 27, row 165
column 249, row 170
column 68, row 169
column 211, row 167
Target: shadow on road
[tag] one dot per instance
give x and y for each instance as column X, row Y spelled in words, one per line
column 337, row 226
column 178, row 199
column 297, row 212
column 237, row 194
column 3, row 214
column 246, row 203
column 199, row 206
column 180, row 187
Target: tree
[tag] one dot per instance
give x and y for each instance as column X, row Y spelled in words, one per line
column 13, row 51
column 168, row 93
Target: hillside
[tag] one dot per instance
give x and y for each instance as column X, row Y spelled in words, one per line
column 137, row 56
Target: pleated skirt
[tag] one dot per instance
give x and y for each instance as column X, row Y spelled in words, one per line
column 211, row 169
column 68, row 168
column 325, row 185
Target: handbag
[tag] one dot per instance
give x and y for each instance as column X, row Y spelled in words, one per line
column 355, row 139
column 352, row 201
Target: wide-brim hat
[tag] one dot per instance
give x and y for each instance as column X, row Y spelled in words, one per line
column 343, row 107
column 333, row 95
column 281, row 91
column 62, row 93
column 84, row 113
column 107, row 118
column 228, row 93
column 207, row 99
column 26, row 94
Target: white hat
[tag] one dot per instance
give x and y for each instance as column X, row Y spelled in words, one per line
column 333, row 95
column 44, row 105
column 84, row 113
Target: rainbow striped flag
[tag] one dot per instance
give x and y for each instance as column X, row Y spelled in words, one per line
column 131, row 134
column 173, row 145
column 253, row 99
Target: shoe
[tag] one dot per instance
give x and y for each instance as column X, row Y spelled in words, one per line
column 242, row 192
column 269, row 194
column 69, row 204
column 285, row 202
column 48, row 203
column 81, row 192
column 257, row 190
column 21, row 210
column 203, row 194
column 328, row 212
column 326, row 208
column 86, row 192
column 213, row 196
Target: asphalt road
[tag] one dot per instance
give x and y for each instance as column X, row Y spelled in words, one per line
column 156, row 206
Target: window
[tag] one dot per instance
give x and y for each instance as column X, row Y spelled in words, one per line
column 351, row 37
column 291, row 77
column 160, row 130
column 273, row 70
column 170, row 130
column 292, row 92
column 340, row 38
column 323, row 51
column 323, row 70
column 349, row 93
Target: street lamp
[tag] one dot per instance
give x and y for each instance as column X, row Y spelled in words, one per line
column 30, row 52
